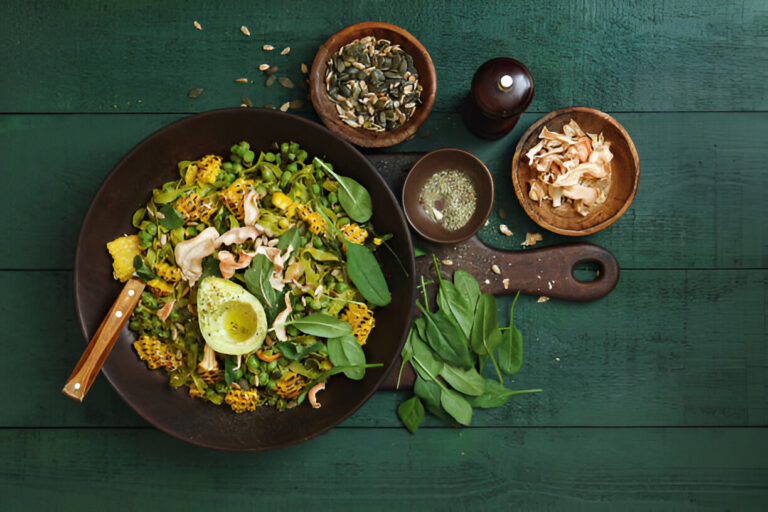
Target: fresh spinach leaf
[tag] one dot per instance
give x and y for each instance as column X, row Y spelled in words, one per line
column 330, row 373
column 450, row 300
column 210, row 268
column 366, row 275
column 289, row 238
column 427, row 391
column 456, row 405
column 511, row 346
column 172, row 219
column 486, row 322
column 446, row 338
column 467, row 286
column 496, row 395
column 346, row 351
column 407, row 353
column 424, row 361
column 411, row 413
column 353, row 197
column 257, row 281
column 142, row 270
column 229, row 370
column 295, row 352
column 320, row 324
column 466, row 381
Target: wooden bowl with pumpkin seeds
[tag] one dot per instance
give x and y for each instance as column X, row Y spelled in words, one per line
column 373, row 84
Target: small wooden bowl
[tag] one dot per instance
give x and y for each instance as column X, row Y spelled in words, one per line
column 425, row 168
column 625, row 173
column 326, row 109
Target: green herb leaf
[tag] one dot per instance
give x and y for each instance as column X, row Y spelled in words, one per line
column 257, row 281
column 452, row 301
column 320, row 324
column 446, row 338
column 138, row 216
column 142, row 270
column 464, row 381
column 406, row 354
column 366, row 275
column 331, row 372
column 496, row 395
column 353, row 197
column 320, row 255
column 210, row 268
column 172, row 218
column 467, row 286
column 427, row 391
column 290, row 237
column 485, row 324
column 229, row 370
column 411, row 413
column 418, row 252
column 346, row 351
column 511, row 346
column 160, row 196
column 424, row 361
column 456, row 405
column 295, row 352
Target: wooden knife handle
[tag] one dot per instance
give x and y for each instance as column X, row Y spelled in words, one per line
column 103, row 340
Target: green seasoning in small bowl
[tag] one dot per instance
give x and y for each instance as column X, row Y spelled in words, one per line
column 449, row 198
column 374, row 84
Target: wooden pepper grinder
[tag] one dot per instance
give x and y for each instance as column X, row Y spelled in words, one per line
column 502, row 89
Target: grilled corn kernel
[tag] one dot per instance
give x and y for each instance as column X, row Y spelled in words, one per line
column 313, row 219
column 123, row 250
column 208, row 169
column 354, row 233
column 233, row 196
column 155, row 353
column 281, row 201
column 168, row 272
column 361, row 319
column 193, row 207
column 290, row 385
column 160, row 287
column 240, row 400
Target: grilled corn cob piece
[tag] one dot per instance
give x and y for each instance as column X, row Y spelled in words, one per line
column 123, row 249
column 361, row 319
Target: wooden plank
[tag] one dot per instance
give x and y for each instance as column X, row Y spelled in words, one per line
column 699, row 189
column 145, row 56
column 666, row 348
column 445, row 469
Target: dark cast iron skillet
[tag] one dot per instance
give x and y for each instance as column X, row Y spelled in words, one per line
column 129, row 186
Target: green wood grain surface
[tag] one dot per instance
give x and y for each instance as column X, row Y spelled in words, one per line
column 655, row 397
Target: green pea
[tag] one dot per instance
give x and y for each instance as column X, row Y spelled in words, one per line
column 316, row 304
column 148, row 300
column 271, row 385
column 319, row 175
column 303, row 239
column 191, row 230
column 249, row 156
column 344, row 221
column 292, row 167
column 237, row 167
column 324, row 302
column 269, row 157
column 237, row 374
column 272, row 365
column 301, row 155
column 175, row 316
column 230, row 177
column 245, row 146
column 263, row 378
column 261, row 190
column 235, row 159
column 322, row 200
column 267, row 174
column 294, row 147
column 317, row 242
column 298, row 307
column 220, row 387
column 341, row 286
column 282, row 361
column 315, row 188
column 227, row 166
column 236, row 149
column 292, row 331
column 285, row 147
column 291, row 156
column 285, row 178
column 253, row 363
column 332, row 198
column 134, row 325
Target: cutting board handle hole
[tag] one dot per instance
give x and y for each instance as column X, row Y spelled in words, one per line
column 586, row 271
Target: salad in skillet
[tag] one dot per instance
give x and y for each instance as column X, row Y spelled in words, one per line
column 261, row 278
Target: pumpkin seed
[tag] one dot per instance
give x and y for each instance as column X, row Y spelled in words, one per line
column 285, row 82
column 195, row 93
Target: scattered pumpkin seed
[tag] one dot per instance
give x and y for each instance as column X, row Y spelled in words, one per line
column 447, row 262
column 284, row 107
column 272, row 70
column 286, row 50
column 263, row 67
column 245, row 30
column 267, row 47
column 502, row 213
column 195, row 93
column 496, row 269
column 373, row 83
column 270, row 80
column 247, row 101
column 198, row 26
column 285, row 82
column 304, row 68
column 267, row 105
column 297, row 104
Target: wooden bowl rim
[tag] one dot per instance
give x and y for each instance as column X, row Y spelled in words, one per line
column 522, row 197
column 326, row 109
column 484, row 174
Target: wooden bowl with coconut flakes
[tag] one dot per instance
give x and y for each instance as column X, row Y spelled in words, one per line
column 572, row 217
column 330, row 114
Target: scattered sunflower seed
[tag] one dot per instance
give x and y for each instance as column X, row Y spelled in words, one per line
column 286, row 50
column 270, row 80
column 245, row 30
column 285, row 82
column 505, row 282
column 263, row 67
column 198, row 26
column 304, row 68
column 297, row 104
column 543, row 298
column 242, row 80
column 285, row 106
column 447, row 262
column 272, row 70
column 505, row 230
column 195, row 93
column 496, row 269
column 267, row 47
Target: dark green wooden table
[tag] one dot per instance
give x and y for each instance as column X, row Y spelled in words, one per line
column 655, row 397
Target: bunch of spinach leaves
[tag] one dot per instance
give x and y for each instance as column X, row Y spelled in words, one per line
column 448, row 350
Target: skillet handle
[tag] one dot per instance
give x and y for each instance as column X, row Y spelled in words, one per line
column 103, row 340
